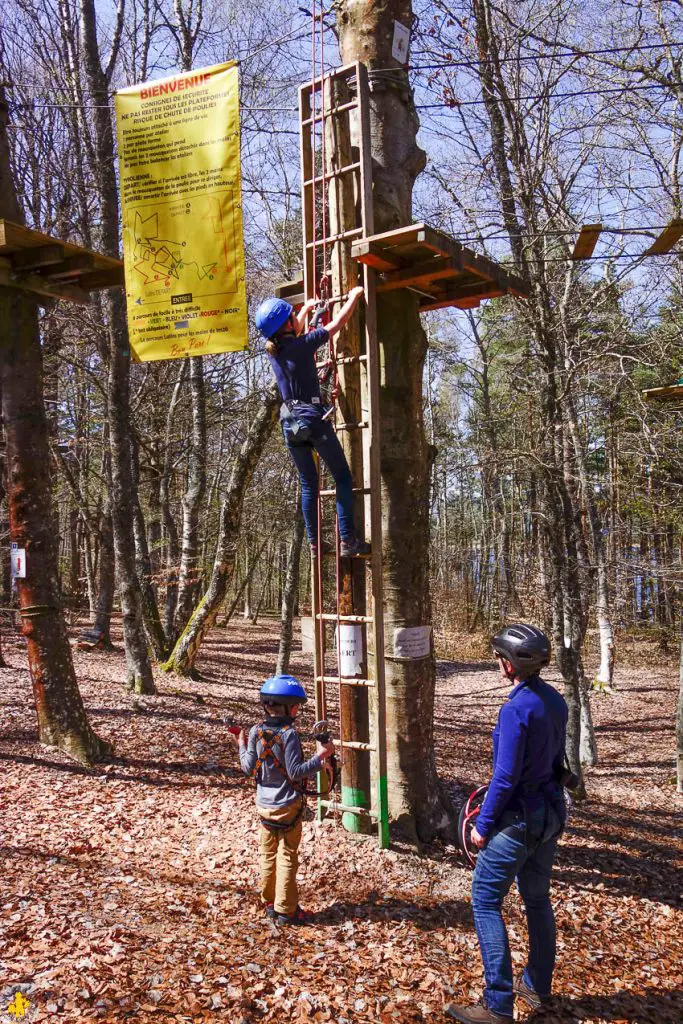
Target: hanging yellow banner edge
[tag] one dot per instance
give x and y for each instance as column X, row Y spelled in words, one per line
column 181, row 213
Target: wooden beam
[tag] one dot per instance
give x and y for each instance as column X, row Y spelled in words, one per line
column 72, row 266
column 374, row 254
column 667, row 394
column 420, row 274
column 111, row 278
column 668, row 238
column 40, row 286
column 586, row 242
column 467, row 297
column 40, row 256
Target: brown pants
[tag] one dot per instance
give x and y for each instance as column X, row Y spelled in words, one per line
column 280, row 858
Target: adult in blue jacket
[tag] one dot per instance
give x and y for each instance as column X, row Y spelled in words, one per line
column 303, row 416
column 518, row 828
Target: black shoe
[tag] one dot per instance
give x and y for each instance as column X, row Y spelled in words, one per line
column 354, row 548
column 525, row 992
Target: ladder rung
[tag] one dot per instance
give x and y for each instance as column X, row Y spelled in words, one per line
column 351, row 233
column 331, row 617
column 356, row 745
column 333, row 174
column 346, row 680
column 331, row 492
column 351, row 426
column 343, row 360
column 331, row 112
column 351, row 359
column 333, row 805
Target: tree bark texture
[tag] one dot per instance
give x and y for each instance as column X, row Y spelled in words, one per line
column 138, row 665
column 416, row 801
column 185, row 652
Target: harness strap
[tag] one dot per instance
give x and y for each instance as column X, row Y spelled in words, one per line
column 269, row 739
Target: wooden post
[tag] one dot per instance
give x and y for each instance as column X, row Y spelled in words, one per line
column 342, row 200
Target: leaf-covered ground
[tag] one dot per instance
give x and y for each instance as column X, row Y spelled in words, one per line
column 128, row 890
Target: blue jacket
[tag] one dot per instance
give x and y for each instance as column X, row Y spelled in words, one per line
column 528, row 749
column 294, row 366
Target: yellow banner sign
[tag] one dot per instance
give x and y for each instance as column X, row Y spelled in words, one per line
column 179, row 163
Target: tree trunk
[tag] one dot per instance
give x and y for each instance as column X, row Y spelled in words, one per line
column 138, row 665
column 416, row 801
column 189, row 576
column 172, row 544
column 143, row 568
column 242, row 587
column 289, row 595
column 185, row 652
column 679, row 710
column 62, row 721
column 105, row 576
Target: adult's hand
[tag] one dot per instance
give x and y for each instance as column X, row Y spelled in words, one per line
column 324, row 750
column 479, row 841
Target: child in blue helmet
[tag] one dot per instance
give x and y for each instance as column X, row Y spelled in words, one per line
column 273, row 755
column 292, row 357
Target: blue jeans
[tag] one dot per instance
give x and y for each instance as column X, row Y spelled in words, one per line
column 324, row 440
column 524, row 850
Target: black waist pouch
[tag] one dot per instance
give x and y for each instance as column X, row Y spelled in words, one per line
column 297, row 429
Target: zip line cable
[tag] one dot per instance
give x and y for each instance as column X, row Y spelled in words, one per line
column 456, row 104
column 443, row 105
column 537, row 56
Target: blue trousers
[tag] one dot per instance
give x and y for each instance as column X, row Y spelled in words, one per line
column 525, row 851
column 323, row 440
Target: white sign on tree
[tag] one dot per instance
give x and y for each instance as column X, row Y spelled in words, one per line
column 18, row 563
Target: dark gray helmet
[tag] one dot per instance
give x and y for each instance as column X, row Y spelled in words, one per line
column 525, row 647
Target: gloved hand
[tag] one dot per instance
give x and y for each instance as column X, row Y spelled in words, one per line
column 321, row 308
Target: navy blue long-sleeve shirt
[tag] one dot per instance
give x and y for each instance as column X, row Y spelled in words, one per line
column 294, row 366
column 528, row 748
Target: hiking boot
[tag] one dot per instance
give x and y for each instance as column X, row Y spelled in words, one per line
column 479, row 1014
column 325, row 548
column 526, row 993
column 354, row 548
column 300, row 916
column 269, row 909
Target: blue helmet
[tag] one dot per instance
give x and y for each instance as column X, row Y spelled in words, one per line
column 271, row 315
column 282, row 690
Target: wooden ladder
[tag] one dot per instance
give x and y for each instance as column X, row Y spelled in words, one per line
column 339, row 105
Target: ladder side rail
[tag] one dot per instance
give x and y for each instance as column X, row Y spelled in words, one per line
column 373, row 467
column 344, row 219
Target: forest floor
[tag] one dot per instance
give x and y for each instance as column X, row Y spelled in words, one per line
column 128, row 891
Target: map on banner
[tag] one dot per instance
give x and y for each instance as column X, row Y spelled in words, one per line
column 179, row 157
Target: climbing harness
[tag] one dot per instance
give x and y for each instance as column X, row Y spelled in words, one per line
column 269, row 738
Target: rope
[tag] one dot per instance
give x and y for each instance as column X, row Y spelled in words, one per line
column 322, row 290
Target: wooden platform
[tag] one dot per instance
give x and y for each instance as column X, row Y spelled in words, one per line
column 53, row 269
column 672, row 393
column 442, row 271
column 429, row 262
